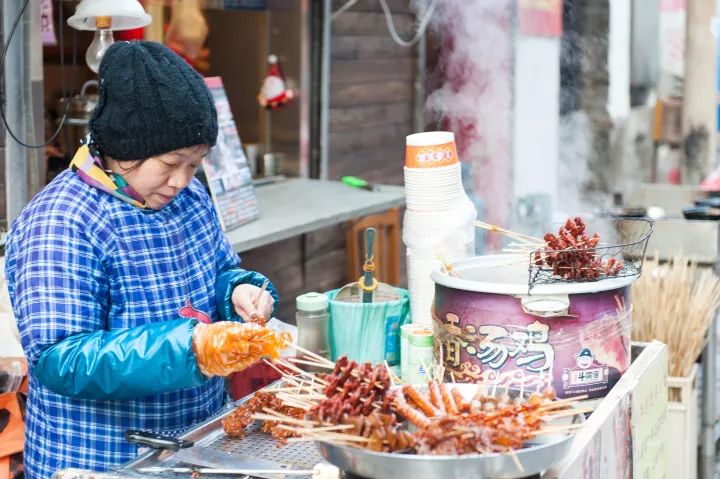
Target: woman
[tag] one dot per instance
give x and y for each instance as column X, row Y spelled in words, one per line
column 114, row 267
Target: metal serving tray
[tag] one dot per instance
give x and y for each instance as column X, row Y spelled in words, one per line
column 255, row 445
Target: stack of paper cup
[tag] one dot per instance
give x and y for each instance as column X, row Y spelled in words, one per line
column 439, row 218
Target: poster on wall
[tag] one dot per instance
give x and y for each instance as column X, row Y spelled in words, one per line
column 226, row 167
column 47, row 27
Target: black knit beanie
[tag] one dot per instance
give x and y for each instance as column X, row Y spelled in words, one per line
column 150, row 102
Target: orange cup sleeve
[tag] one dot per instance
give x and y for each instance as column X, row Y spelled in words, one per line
column 432, row 156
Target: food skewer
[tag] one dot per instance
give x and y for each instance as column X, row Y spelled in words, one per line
column 274, row 418
column 310, row 363
column 313, row 355
column 255, row 317
column 510, row 234
column 354, row 406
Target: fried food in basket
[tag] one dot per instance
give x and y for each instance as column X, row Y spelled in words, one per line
column 226, row 347
column 573, row 255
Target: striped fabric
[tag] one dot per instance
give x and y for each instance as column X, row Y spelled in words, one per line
column 81, row 260
column 89, row 167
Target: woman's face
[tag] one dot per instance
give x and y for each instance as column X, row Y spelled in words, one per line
column 160, row 178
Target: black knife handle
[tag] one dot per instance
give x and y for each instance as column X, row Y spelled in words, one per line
column 156, row 441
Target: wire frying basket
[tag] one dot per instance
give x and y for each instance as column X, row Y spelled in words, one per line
column 569, row 257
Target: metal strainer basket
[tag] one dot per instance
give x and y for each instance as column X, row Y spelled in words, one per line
column 621, row 249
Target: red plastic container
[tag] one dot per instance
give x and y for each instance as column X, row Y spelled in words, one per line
column 253, row 378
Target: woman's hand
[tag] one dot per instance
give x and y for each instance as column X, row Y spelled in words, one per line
column 226, row 347
column 252, row 304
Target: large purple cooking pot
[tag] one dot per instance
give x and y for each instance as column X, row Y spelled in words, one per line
column 488, row 327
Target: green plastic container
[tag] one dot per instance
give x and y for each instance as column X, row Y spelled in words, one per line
column 368, row 331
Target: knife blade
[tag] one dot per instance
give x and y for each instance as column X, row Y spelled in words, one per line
column 216, row 459
column 220, row 460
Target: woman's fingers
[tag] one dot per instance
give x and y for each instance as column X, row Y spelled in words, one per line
column 265, row 308
column 250, row 302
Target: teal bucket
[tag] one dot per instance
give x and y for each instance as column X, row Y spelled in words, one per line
column 368, row 332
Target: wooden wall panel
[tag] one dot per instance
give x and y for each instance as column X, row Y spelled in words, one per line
column 396, row 6
column 371, row 92
column 371, row 70
column 370, row 112
column 364, row 116
column 355, row 47
column 349, row 95
column 371, row 24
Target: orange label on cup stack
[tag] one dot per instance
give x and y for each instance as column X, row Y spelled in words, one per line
column 431, row 156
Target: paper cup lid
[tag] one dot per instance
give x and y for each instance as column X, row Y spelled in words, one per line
column 430, row 138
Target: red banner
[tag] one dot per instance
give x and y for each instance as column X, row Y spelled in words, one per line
column 540, row 18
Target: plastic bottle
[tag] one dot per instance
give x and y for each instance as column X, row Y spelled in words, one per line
column 312, row 320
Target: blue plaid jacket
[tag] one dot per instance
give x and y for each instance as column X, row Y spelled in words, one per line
column 106, row 295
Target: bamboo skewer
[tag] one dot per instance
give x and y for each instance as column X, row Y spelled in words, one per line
column 278, row 414
column 339, row 427
column 286, row 377
column 560, row 403
column 516, row 460
column 310, row 363
column 675, row 303
column 292, row 389
column 330, row 436
column 558, row 429
column 569, row 413
column 448, row 267
column 510, row 234
column 286, row 420
column 394, row 380
column 314, row 356
column 296, row 369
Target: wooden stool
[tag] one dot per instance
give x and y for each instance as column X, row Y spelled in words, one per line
column 387, row 246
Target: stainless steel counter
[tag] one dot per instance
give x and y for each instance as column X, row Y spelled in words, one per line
column 299, row 205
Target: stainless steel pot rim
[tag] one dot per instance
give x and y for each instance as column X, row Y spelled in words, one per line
column 390, row 456
column 516, row 284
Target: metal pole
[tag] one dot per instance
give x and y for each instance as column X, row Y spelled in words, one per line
column 709, row 364
column 305, row 87
column 420, row 73
column 32, row 53
column 325, row 88
column 16, row 178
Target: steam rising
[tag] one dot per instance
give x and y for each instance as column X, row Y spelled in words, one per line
column 475, row 98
